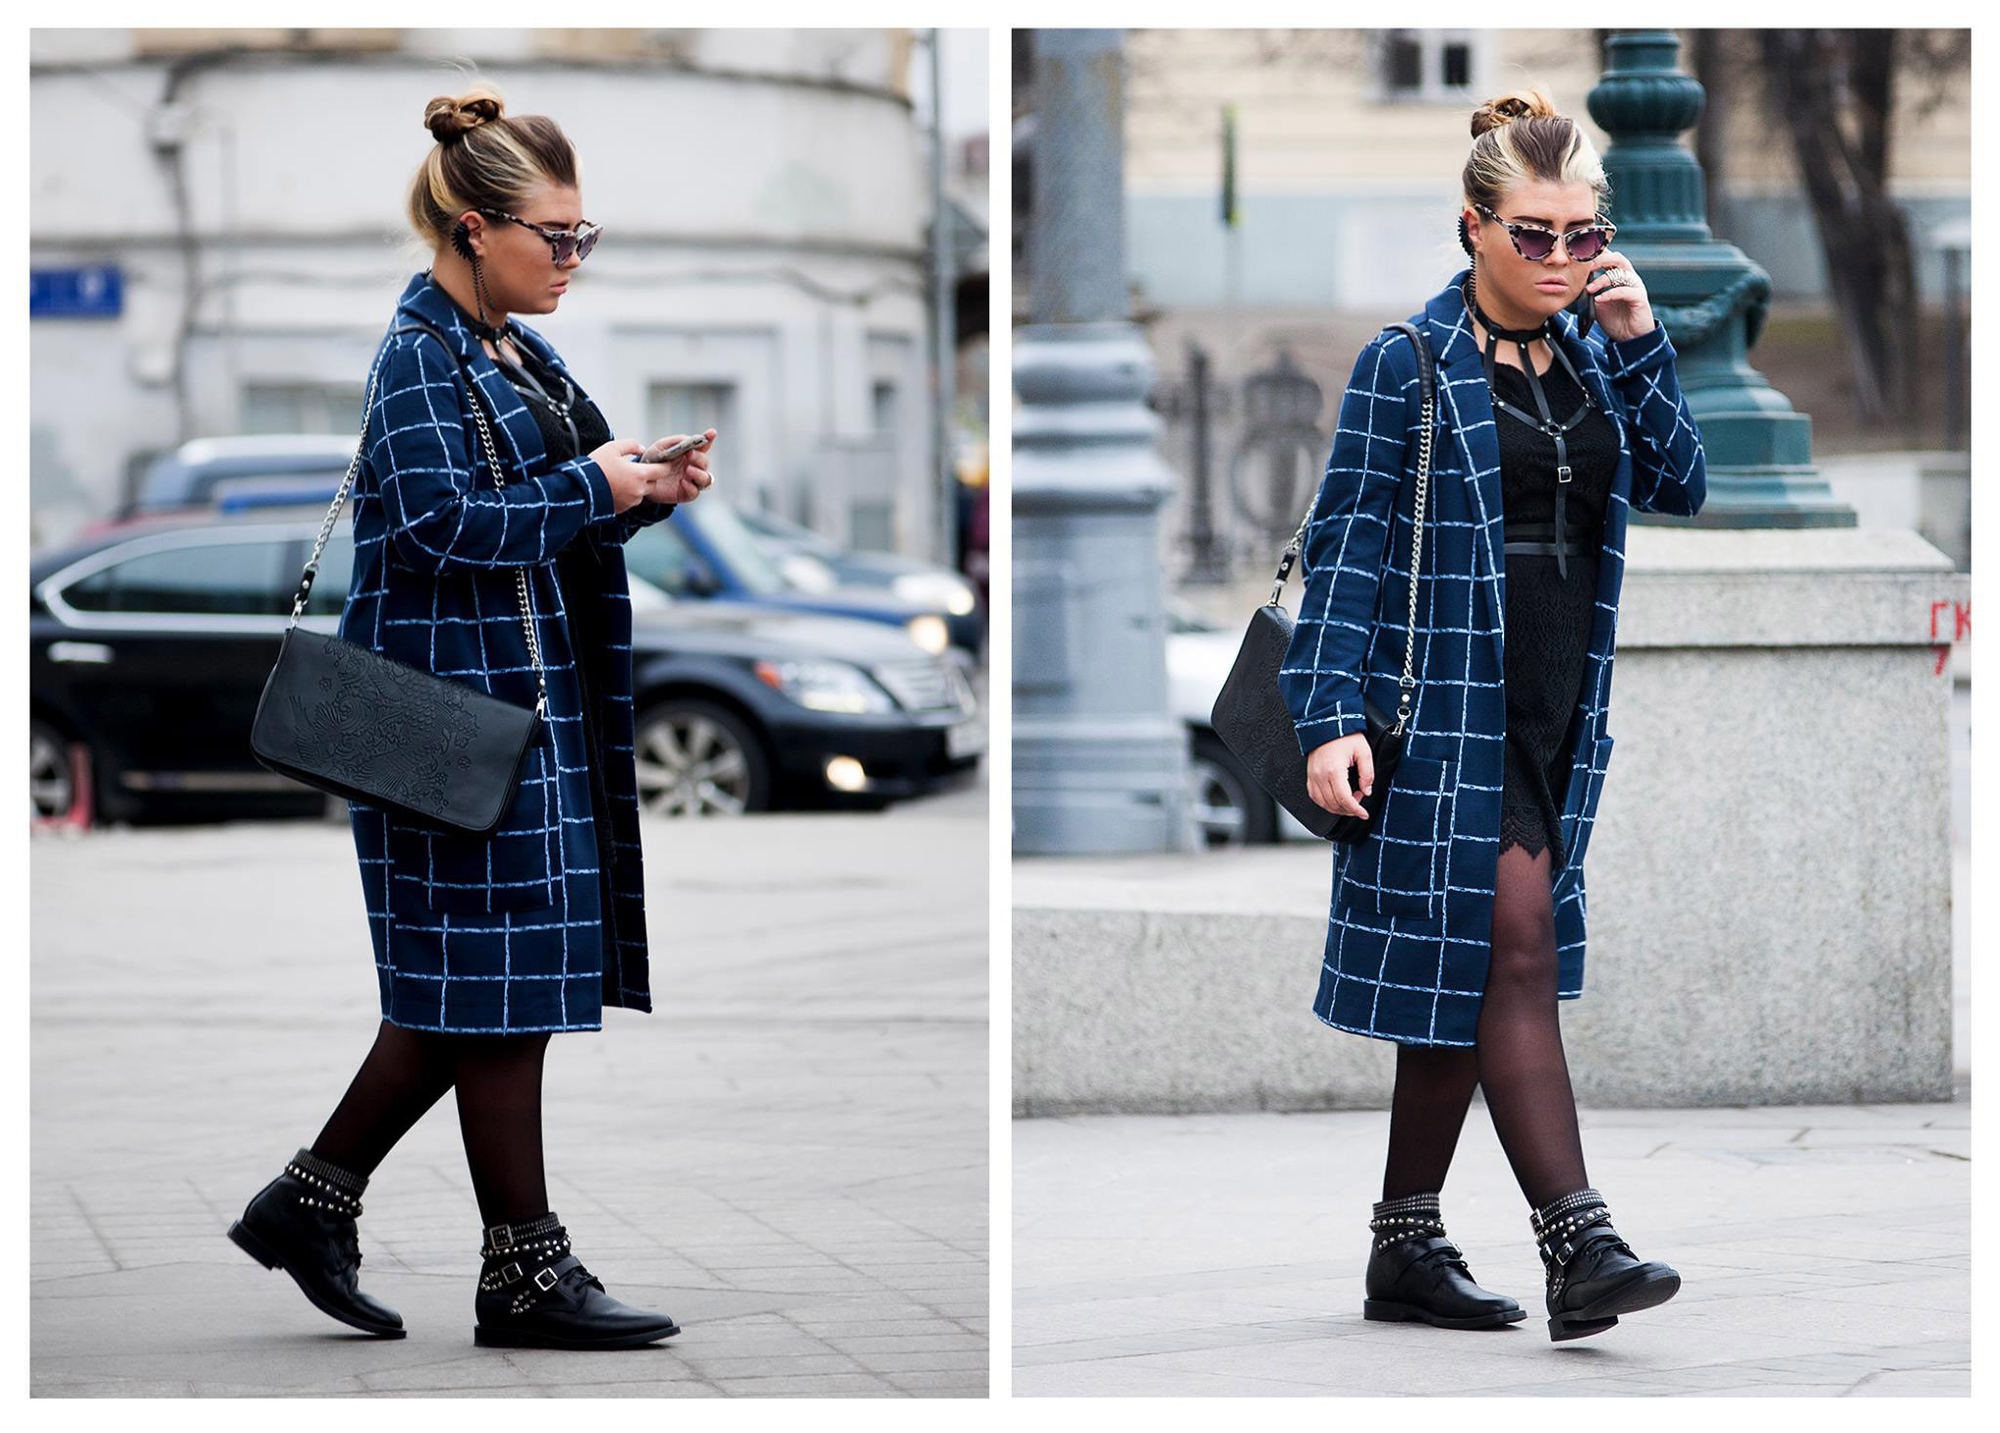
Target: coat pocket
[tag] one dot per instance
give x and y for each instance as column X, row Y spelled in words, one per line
column 514, row 869
column 1413, row 838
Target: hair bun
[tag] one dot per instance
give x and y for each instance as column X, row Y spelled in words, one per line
column 449, row 117
column 1519, row 104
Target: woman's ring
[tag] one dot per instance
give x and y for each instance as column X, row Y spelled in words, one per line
column 1616, row 278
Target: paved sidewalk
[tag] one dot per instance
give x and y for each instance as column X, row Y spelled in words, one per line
column 1824, row 1250
column 796, row 1168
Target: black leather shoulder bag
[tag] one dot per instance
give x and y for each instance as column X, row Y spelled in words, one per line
column 1250, row 715
column 349, row 721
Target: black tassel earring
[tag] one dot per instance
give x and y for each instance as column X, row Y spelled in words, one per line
column 461, row 240
column 1465, row 243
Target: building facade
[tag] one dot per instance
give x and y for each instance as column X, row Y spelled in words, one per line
column 218, row 239
column 1350, row 143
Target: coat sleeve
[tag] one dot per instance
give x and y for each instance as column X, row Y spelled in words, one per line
column 1345, row 541
column 442, row 509
column 1669, row 471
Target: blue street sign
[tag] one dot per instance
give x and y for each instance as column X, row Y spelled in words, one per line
column 90, row 291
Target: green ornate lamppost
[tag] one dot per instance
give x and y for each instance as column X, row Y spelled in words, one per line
column 1710, row 296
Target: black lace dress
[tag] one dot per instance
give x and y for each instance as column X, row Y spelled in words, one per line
column 578, row 577
column 1548, row 615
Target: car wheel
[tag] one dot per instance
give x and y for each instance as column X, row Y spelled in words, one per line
column 697, row 758
column 1228, row 806
column 52, row 793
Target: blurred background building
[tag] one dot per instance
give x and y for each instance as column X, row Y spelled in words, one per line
column 218, row 239
column 1288, row 191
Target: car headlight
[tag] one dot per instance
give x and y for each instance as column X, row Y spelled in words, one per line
column 937, row 589
column 930, row 633
column 825, row 686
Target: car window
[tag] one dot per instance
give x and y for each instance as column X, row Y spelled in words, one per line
column 662, row 556
column 336, row 571
column 220, row 578
column 747, row 558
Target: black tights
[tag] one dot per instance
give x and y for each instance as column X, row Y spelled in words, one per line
column 1518, row 1059
column 499, row 1084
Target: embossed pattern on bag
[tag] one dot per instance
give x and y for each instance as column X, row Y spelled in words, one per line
column 342, row 718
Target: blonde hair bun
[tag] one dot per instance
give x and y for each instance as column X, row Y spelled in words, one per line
column 1518, row 104
column 449, row 117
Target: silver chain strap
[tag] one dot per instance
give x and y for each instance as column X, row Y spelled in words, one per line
column 520, row 573
column 1297, row 545
column 521, row 590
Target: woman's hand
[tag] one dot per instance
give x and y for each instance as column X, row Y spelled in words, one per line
column 1623, row 309
column 630, row 482
column 1326, row 774
column 683, row 479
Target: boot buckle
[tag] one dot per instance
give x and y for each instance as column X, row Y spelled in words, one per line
column 545, row 1279
column 500, row 1236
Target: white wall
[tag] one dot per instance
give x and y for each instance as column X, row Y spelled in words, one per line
column 760, row 231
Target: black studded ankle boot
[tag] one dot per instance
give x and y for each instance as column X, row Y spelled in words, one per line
column 1593, row 1274
column 534, row 1293
column 1416, row 1274
column 303, row 1222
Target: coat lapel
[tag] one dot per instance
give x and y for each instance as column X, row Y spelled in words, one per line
column 1467, row 409
column 516, row 434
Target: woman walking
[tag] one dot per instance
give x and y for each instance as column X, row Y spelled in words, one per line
column 1458, row 924
column 485, row 946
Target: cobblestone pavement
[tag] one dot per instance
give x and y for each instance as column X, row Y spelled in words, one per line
column 794, row 1166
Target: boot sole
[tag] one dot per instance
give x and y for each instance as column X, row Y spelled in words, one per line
column 1391, row 1312
column 1642, row 1292
column 521, row 1338
column 257, row 1249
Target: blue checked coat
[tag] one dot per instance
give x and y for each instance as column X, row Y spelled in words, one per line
column 1410, row 927
column 506, row 933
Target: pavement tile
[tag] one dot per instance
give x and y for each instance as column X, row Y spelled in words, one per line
column 797, row 1154
column 1211, row 1255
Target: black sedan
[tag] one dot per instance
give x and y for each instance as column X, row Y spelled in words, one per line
column 150, row 644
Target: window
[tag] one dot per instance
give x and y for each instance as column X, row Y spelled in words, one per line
column 1437, row 66
column 224, row 578
column 871, row 525
column 684, row 408
column 885, row 406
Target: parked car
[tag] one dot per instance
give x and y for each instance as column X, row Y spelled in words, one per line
column 1229, row 807
column 213, row 472
column 707, row 552
column 149, row 645
column 813, row 562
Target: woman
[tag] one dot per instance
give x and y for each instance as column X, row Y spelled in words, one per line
column 484, row 946
column 1458, row 924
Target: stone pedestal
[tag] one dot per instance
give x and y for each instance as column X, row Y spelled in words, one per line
column 1769, row 883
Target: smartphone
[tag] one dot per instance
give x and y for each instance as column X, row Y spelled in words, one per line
column 1585, row 307
column 666, row 453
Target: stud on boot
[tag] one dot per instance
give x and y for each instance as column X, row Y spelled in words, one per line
column 1593, row 1274
column 534, row 1293
column 1416, row 1274
column 303, row 1222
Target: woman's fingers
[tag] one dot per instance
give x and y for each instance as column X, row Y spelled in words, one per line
column 1327, row 782
column 1612, row 259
